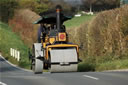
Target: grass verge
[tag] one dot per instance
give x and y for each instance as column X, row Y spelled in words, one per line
column 9, row 39
column 112, row 65
column 77, row 21
column 108, row 65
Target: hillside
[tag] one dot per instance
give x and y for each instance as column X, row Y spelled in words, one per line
column 22, row 24
column 8, row 40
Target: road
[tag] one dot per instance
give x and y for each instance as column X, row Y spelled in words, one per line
column 11, row 75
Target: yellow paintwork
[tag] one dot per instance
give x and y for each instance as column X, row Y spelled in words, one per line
column 46, row 39
column 45, row 42
column 44, row 45
column 52, row 40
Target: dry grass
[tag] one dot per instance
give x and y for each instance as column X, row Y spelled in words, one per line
column 22, row 23
column 105, row 37
column 105, row 34
column 108, row 32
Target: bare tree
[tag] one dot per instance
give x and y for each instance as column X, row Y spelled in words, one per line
column 89, row 3
column 102, row 3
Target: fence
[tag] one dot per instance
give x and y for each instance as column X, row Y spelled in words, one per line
column 15, row 53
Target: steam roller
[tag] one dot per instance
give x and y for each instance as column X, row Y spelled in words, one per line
column 53, row 51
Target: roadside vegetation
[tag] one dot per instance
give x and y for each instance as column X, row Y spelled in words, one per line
column 104, row 40
column 103, row 37
column 9, row 39
column 86, row 66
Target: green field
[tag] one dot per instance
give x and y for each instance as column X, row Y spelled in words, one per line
column 77, row 21
column 9, row 39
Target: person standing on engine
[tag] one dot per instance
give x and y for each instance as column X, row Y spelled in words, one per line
column 41, row 33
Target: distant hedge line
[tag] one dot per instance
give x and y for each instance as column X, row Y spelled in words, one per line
column 37, row 6
column 8, row 7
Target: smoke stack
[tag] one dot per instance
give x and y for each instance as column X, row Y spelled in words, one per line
column 58, row 17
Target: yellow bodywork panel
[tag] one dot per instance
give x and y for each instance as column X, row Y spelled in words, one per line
column 44, row 45
column 52, row 40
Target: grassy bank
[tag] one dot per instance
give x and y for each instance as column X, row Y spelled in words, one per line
column 77, row 21
column 8, row 40
column 108, row 65
column 112, row 65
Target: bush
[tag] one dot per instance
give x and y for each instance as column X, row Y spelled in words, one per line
column 41, row 8
column 30, row 4
column 35, row 5
column 86, row 66
column 7, row 8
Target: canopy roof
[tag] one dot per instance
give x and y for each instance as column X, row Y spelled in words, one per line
column 49, row 17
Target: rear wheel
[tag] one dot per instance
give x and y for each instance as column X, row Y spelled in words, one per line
column 33, row 65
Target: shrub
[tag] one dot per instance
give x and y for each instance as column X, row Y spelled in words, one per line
column 7, row 8
column 86, row 66
column 35, row 5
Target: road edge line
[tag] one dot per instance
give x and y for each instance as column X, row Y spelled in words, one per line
column 1, row 83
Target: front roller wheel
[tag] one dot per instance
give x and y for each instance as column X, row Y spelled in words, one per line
column 37, row 63
column 37, row 66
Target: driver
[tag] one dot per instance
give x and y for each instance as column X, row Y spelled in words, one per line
column 41, row 33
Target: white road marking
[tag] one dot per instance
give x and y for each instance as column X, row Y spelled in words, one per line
column 91, row 77
column 1, row 83
column 15, row 65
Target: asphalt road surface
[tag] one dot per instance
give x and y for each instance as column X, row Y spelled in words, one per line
column 11, row 75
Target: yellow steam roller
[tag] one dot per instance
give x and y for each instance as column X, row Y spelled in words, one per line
column 53, row 51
